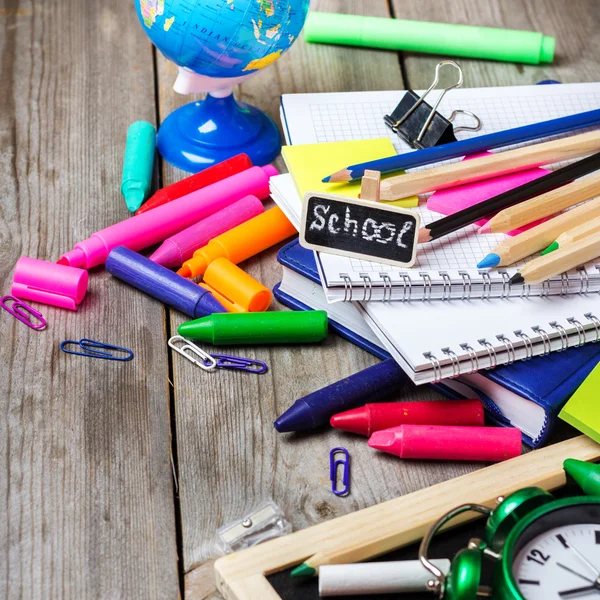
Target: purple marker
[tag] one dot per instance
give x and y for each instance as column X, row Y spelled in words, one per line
column 371, row 385
column 180, row 247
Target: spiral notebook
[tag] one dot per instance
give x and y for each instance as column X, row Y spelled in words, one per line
column 446, row 268
column 436, row 340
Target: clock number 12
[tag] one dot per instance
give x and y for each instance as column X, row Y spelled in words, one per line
column 539, row 557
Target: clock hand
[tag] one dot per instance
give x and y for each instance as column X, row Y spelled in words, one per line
column 575, row 572
column 587, row 562
column 578, row 591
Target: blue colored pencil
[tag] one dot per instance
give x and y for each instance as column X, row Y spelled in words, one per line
column 410, row 160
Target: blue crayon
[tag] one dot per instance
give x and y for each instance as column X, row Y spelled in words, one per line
column 370, row 385
column 162, row 284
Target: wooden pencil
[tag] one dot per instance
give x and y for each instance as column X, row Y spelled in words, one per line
column 537, row 238
column 574, row 235
column 546, row 204
column 493, row 165
column 523, row 192
column 561, row 261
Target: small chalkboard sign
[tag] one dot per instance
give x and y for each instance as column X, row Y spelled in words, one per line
column 359, row 229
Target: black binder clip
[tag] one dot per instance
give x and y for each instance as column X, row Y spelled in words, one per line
column 419, row 123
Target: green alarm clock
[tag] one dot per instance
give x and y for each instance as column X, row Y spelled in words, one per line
column 542, row 548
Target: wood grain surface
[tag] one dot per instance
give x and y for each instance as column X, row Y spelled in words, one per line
column 88, row 498
column 86, row 482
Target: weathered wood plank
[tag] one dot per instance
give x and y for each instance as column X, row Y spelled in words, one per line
column 86, row 483
column 573, row 24
column 230, row 458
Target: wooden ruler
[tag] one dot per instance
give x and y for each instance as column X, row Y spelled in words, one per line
column 381, row 528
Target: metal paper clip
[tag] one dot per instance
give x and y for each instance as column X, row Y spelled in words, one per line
column 414, row 115
column 94, row 349
column 206, row 362
column 23, row 312
column 224, row 361
column 333, row 470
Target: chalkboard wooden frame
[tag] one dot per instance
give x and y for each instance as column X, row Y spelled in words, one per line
column 378, row 529
column 359, row 229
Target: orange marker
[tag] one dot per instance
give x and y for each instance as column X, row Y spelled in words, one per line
column 241, row 242
column 235, row 289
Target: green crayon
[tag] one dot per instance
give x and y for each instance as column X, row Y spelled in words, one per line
column 258, row 328
column 138, row 164
column 585, row 474
column 432, row 38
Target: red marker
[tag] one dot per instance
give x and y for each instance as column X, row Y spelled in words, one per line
column 375, row 417
column 227, row 168
column 435, row 442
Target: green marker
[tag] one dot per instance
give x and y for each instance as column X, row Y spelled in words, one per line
column 585, row 474
column 138, row 164
column 258, row 328
column 432, row 38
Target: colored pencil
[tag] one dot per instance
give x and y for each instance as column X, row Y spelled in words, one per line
column 491, row 165
column 561, row 261
column 537, row 238
column 546, row 204
column 473, row 145
column 574, row 235
column 544, row 184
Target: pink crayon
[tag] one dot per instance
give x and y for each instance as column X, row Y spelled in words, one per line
column 439, row 442
column 180, row 247
column 156, row 225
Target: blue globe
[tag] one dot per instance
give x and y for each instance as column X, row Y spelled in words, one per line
column 222, row 38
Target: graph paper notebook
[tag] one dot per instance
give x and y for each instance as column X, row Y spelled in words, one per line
column 445, row 268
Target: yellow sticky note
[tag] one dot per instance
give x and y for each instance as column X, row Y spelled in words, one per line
column 309, row 163
column 581, row 410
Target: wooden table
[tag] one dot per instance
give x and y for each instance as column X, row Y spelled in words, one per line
column 90, row 508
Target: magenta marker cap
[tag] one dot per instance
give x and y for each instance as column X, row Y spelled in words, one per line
column 49, row 283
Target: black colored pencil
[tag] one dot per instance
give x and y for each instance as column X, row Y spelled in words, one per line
column 524, row 192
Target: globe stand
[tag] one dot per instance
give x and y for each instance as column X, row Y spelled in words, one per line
column 201, row 134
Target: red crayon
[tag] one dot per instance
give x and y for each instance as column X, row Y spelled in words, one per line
column 375, row 417
column 227, row 168
column 436, row 442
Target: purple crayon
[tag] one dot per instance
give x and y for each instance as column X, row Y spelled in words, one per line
column 162, row 284
column 370, row 385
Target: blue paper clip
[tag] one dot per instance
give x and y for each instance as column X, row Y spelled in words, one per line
column 333, row 471
column 224, row 361
column 94, row 349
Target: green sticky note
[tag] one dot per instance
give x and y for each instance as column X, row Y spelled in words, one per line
column 309, row 163
column 582, row 410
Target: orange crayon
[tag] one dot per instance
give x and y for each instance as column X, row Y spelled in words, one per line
column 241, row 242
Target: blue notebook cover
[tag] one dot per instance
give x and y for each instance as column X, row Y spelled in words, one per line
column 546, row 381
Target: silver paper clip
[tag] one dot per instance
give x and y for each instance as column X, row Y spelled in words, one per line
column 333, row 471
column 94, row 349
column 206, row 362
column 23, row 312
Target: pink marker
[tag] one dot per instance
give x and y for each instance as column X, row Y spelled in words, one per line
column 156, row 225
column 181, row 246
column 439, row 442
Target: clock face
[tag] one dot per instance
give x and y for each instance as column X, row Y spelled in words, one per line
column 557, row 556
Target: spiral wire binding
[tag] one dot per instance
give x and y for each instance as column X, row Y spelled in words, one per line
column 545, row 340
column 596, row 322
column 491, row 353
column 580, row 331
column 564, row 336
column 437, row 368
column 455, row 362
column 473, row 357
column 510, row 349
column 527, row 343
column 447, row 287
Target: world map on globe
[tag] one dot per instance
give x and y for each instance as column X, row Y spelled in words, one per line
column 222, row 38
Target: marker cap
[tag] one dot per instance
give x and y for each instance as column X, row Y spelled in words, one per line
column 235, row 289
column 49, row 283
